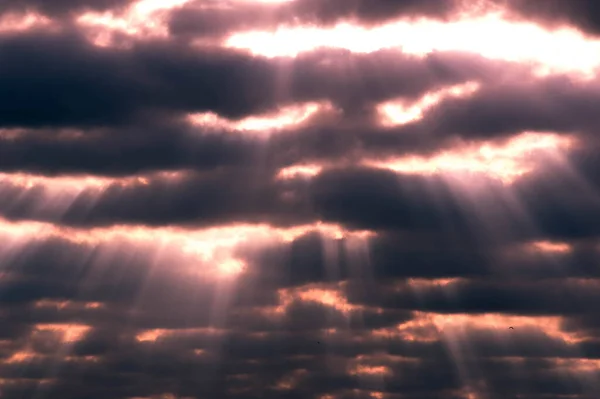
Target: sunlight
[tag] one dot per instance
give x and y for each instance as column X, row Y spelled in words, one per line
column 399, row 112
column 331, row 297
column 558, row 50
column 20, row 22
column 282, row 119
column 551, row 247
column 506, row 161
column 296, row 171
column 69, row 332
column 142, row 19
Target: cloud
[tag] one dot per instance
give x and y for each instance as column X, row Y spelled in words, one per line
column 298, row 199
column 61, row 7
column 582, row 14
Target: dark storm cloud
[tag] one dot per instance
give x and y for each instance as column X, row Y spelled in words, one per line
column 359, row 198
column 62, row 80
column 581, row 14
column 59, row 79
column 368, row 11
column 556, row 104
column 376, row 199
column 526, row 297
column 127, row 151
column 232, row 195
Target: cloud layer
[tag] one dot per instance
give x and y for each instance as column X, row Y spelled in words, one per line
column 299, row 199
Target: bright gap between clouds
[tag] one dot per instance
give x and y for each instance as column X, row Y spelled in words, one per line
column 214, row 246
column 400, row 112
column 283, row 118
column 491, row 36
column 142, row 19
column 506, row 160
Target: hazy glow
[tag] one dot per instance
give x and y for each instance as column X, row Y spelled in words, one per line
column 231, row 267
column 145, row 18
column 18, row 22
column 161, row 333
column 21, row 357
column 292, row 380
column 551, row 247
column 505, row 161
column 490, row 36
column 296, row 171
column 399, row 112
column 69, row 332
column 284, row 118
column 370, row 370
column 578, row 365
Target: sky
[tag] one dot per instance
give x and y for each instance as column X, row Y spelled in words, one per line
column 299, row 199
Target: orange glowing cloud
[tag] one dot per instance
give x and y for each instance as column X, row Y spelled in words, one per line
column 69, row 332
column 370, row 370
column 21, row 357
column 296, row 171
column 161, row 333
column 506, row 161
column 20, row 22
column 284, row 118
column 291, row 380
column 142, row 19
column 332, row 297
column 399, row 112
column 492, row 36
column 418, row 329
column 551, row 247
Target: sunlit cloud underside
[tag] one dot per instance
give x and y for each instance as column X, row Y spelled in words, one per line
column 491, row 36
